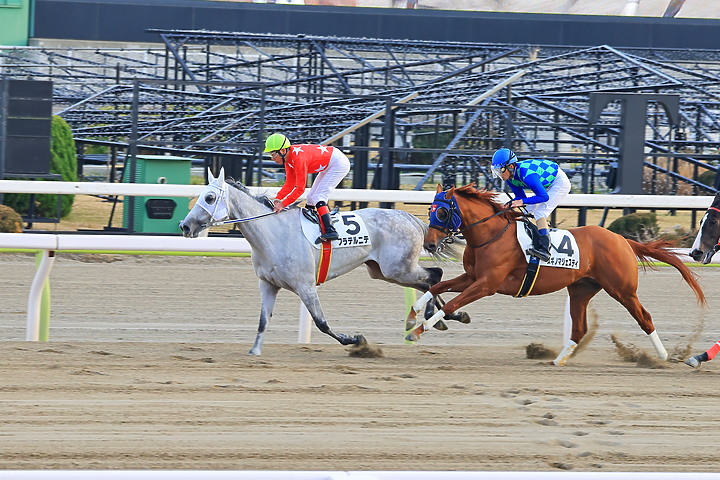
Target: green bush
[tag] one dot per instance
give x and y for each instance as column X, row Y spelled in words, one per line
column 636, row 226
column 680, row 237
column 707, row 178
column 10, row 220
column 63, row 160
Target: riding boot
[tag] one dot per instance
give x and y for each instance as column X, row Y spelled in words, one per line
column 328, row 231
column 543, row 248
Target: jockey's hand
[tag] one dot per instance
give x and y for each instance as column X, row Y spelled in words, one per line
column 516, row 203
column 278, row 206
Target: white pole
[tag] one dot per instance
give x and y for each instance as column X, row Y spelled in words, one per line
column 304, row 325
column 630, row 8
column 32, row 329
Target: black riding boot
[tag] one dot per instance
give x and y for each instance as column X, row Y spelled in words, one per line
column 328, row 231
column 543, row 248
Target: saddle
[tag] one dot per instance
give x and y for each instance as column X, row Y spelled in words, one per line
column 532, row 231
column 311, row 214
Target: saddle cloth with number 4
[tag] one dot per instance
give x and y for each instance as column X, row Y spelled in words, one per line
column 350, row 227
column 564, row 252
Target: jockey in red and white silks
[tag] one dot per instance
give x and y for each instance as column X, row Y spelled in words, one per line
column 329, row 163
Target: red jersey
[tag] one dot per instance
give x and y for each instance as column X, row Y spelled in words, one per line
column 299, row 161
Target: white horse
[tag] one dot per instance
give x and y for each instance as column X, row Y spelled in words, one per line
column 284, row 258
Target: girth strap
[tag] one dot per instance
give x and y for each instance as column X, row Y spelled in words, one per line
column 324, row 263
column 531, row 274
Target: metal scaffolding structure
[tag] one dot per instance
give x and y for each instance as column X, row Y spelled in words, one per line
column 394, row 105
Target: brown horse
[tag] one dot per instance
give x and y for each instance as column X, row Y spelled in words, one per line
column 495, row 263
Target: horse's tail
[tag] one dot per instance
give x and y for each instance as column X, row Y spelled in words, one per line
column 659, row 250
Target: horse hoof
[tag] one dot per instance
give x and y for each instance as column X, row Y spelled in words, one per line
column 692, row 362
column 463, row 317
column 254, row 351
column 440, row 325
column 360, row 340
column 412, row 337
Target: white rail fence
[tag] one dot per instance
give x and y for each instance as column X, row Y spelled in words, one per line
column 48, row 244
column 349, row 195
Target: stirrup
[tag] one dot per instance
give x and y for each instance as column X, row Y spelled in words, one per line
column 544, row 256
column 327, row 237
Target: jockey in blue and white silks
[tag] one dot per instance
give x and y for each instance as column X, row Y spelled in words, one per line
column 548, row 183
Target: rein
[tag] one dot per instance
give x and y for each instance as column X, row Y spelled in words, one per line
column 451, row 233
column 497, row 236
column 223, row 197
column 239, row 220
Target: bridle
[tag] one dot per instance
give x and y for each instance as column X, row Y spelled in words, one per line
column 218, row 213
column 717, row 246
column 449, row 224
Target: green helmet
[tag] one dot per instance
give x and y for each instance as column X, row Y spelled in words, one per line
column 276, row 141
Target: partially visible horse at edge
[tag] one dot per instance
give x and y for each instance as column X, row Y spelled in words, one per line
column 283, row 258
column 706, row 242
column 495, row 263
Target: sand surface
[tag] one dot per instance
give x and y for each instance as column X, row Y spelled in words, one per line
column 147, row 368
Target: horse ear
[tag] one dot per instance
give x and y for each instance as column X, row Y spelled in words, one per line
column 222, row 174
column 439, row 188
column 210, row 176
column 450, row 193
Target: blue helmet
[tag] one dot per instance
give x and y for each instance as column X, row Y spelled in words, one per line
column 501, row 159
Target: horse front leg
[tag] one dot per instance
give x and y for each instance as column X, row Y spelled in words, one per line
column 311, row 300
column 457, row 284
column 470, row 291
column 435, row 276
column 268, row 296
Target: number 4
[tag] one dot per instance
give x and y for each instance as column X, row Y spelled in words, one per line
column 565, row 246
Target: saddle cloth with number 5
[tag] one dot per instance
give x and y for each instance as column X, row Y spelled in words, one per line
column 564, row 252
column 350, row 227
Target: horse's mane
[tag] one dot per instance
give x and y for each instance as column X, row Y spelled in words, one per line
column 262, row 198
column 486, row 196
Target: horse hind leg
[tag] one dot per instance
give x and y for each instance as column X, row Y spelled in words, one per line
column 580, row 293
column 268, row 296
column 643, row 318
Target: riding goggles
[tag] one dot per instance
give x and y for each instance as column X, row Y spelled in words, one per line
column 445, row 214
column 498, row 171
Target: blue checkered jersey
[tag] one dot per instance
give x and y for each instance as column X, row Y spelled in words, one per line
column 535, row 175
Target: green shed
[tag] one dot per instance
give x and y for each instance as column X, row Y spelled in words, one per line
column 158, row 214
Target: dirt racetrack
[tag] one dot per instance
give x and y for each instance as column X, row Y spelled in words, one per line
column 147, row 369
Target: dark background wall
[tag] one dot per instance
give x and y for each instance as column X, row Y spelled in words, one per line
column 127, row 20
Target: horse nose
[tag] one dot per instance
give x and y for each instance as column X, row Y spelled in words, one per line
column 696, row 254
column 430, row 247
column 184, row 228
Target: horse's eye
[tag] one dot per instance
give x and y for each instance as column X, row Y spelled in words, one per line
column 210, row 198
column 441, row 214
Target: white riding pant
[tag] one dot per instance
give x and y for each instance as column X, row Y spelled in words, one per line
column 328, row 179
column 557, row 191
